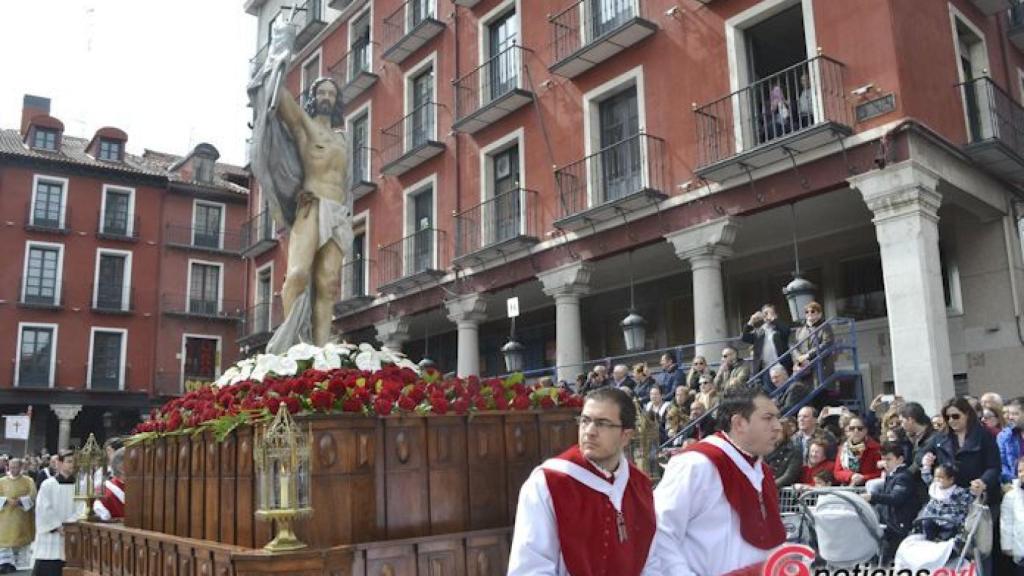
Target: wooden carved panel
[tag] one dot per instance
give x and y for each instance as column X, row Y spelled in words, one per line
column 197, row 483
column 146, row 485
column 446, row 457
column 487, row 479
column 522, row 453
column 391, row 561
column 116, row 552
column 73, row 548
column 183, row 501
column 94, row 562
column 133, row 482
column 442, row 558
column 487, row 555
column 244, row 508
column 228, row 477
column 211, row 490
column 406, row 478
column 557, row 433
column 171, row 486
column 141, row 554
column 185, row 561
column 156, row 477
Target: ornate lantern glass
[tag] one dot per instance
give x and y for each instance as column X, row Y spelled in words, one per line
column 799, row 293
column 89, row 461
column 634, row 329
column 515, row 356
column 282, row 460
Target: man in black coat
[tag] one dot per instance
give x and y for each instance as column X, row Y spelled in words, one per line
column 918, row 426
column 769, row 338
column 896, row 502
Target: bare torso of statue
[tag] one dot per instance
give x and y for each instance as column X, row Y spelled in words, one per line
column 324, row 156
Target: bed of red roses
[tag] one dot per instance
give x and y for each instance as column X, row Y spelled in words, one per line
column 387, row 391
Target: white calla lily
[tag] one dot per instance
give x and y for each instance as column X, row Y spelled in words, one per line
column 302, row 351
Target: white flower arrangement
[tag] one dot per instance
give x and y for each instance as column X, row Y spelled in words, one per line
column 302, row 356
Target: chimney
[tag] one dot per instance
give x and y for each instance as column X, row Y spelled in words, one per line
column 32, row 106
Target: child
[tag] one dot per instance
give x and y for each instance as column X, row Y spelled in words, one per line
column 1011, row 522
column 947, row 501
column 824, row 479
column 895, row 501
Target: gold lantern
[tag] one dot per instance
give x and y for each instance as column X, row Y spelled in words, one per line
column 645, row 442
column 89, row 459
column 282, row 454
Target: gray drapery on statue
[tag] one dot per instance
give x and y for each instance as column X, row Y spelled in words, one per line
column 274, row 158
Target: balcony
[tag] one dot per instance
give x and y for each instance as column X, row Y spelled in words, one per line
column 258, row 322
column 413, row 261
column 112, row 299
column 188, row 306
column 774, row 119
column 346, row 8
column 46, row 223
column 995, row 138
column 355, row 294
column 258, row 235
column 612, row 182
column 117, row 230
column 492, row 91
column 40, row 297
column 407, row 29
column 192, row 238
column 354, row 73
column 256, row 62
column 310, row 19
column 466, row 3
column 590, row 32
column 1015, row 29
column 362, row 172
column 990, row 7
column 502, row 225
column 411, row 141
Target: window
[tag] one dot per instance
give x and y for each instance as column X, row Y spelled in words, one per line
column 204, row 289
column 972, row 66
column 206, row 225
column 203, row 170
column 42, row 274
column 106, row 365
column 620, row 159
column 359, row 51
column 264, row 297
column 360, row 131
column 36, row 347
column 118, row 205
column 48, row 203
column 860, row 293
column 310, row 72
column 202, row 355
column 44, row 139
column 418, row 11
column 422, row 214
column 112, row 280
column 503, row 62
column 110, row 150
column 421, row 89
column 357, row 276
column 504, row 220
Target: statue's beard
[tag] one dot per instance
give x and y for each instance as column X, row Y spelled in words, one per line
column 324, row 107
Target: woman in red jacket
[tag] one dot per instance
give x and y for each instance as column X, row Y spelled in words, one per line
column 857, row 457
column 817, row 461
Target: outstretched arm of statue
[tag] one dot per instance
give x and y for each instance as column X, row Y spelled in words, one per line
column 291, row 114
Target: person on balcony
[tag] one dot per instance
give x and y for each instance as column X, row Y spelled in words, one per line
column 683, row 399
column 769, row 338
column 621, row 379
column 708, row 395
column 817, row 462
column 858, row 457
column 815, row 339
column 785, row 460
column 588, row 510
column 807, row 430
column 670, row 376
column 703, row 428
column 698, row 368
column 733, row 371
column 643, row 380
column 717, row 503
column 658, row 407
column 805, row 103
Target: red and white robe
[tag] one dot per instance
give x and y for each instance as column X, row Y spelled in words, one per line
column 718, row 513
column 576, row 519
column 111, row 505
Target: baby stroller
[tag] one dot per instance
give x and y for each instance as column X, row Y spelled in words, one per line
column 972, row 543
column 840, row 526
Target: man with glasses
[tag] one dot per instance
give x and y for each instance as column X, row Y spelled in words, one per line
column 588, row 510
column 732, row 372
column 1011, row 439
column 717, row 504
column 769, row 339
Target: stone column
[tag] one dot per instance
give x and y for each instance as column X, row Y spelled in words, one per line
column 393, row 333
column 905, row 204
column 468, row 311
column 65, row 414
column 567, row 284
column 703, row 247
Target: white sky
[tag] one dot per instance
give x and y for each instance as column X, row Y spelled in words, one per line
column 170, row 73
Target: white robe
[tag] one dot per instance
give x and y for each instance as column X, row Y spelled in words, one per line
column 535, row 547
column 55, row 505
column 698, row 531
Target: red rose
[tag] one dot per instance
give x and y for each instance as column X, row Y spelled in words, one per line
column 547, row 402
column 352, row 405
column 321, row 400
column 293, row 404
column 521, row 402
column 406, row 403
column 173, row 421
column 363, row 393
column 461, row 406
column 481, row 403
column 281, row 387
column 438, row 404
column 500, row 402
column 273, row 404
column 383, row 406
column 302, row 386
column 336, row 386
column 418, row 393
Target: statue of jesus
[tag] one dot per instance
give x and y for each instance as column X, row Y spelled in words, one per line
column 300, row 159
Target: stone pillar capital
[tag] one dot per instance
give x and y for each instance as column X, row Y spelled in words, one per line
column 568, row 280
column 66, row 411
column 467, row 309
column 393, row 332
column 707, row 243
column 904, row 189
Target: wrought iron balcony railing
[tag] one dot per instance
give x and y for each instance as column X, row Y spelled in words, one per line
column 409, row 27
column 411, row 141
column 354, row 71
column 617, row 172
column 198, row 238
column 39, row 219
column 355, row 278
column 114, row 229
column 256, row 62
column 995, row 123
column 258, row 235
column 774, row 109
column 200, row 306
column 420, row 253
column 44, row 296
column 589, row 32
column 111, row 298
column 260, row 320
column 492, row 90
column 500, row 219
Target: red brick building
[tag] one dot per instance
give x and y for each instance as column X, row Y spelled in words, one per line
column 120, row 284
column 560, row 151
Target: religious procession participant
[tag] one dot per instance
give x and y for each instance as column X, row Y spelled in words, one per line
column 55, row 505
column 717, row 504
column 588, row 511
column 17, row 521
column 110, row 506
